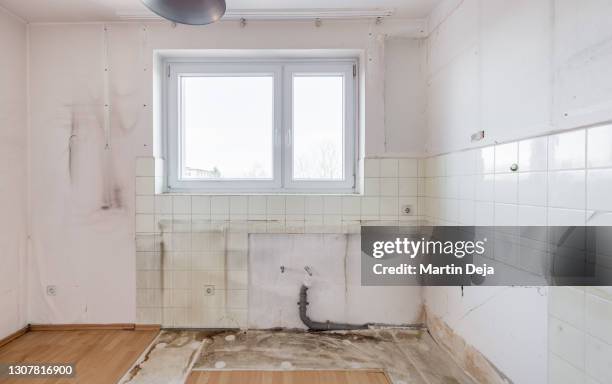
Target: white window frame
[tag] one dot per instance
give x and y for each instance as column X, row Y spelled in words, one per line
column 282, row 71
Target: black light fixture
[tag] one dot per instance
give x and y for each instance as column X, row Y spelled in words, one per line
column 192, row 12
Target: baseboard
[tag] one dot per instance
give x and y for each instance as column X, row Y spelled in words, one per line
column 147, row 327
column 82, row 327
column 4, row 341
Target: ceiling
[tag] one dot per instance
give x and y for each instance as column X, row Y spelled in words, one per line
column 107, row 10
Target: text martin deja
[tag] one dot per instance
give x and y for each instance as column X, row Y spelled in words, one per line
column 429, row 269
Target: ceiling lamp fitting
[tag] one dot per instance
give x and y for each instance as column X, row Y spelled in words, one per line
column 191, row 12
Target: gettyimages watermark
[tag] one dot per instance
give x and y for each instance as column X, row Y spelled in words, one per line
column 460, row 256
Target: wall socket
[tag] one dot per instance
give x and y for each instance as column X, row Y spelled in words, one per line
column 406, row 210
column 209, row 290
column 51, row 290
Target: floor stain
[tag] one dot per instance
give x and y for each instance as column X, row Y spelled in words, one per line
column 409, row 356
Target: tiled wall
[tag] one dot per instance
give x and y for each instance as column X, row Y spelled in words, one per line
column 562, row 179
column 187, row 242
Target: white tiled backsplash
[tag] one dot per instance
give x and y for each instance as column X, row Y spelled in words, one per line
column 202, row 240
column 562, row 179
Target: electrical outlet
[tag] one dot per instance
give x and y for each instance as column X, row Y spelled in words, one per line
column 209, row 290
column 406, row 210
column 51, row 290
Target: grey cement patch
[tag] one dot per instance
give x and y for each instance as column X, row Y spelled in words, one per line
column 408, row 356
column 168, row 360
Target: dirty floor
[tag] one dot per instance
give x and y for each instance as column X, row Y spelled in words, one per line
column 407, row 356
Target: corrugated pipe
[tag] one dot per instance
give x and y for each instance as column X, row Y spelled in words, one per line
column 322, row 326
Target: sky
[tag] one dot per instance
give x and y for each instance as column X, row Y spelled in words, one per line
column 229, row 121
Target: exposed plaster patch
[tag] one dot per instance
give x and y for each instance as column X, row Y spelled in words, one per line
column 467, row 357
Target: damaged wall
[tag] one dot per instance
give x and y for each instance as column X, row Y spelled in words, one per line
column 335, row 292
column 187, row 244
column 91, row 113
column 518, row 70
column 13, row 171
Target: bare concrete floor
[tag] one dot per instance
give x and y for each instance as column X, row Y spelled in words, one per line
column 408, row 356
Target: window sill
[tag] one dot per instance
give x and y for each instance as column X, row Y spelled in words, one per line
column 212, row 193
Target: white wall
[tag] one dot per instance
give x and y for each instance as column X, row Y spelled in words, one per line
column 13, row 170
column 405, row 107
column 517, row 70
column 335, row 291
column 83, row 192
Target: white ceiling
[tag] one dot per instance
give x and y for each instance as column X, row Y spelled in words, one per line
column 106, row 10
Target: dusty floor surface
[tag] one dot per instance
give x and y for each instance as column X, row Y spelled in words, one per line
column 408, row 356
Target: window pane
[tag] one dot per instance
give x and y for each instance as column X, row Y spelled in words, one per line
column 227, row 127
column 318, row 127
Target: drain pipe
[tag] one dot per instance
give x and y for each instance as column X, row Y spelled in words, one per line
column 322, row 326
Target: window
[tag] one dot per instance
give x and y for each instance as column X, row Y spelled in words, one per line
column 261, row 126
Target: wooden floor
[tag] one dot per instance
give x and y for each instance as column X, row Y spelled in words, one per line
column 101, row 356
column 287, row 377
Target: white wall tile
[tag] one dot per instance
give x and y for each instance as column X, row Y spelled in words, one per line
column 595, row 218
column 238, row 207
column 567, row 304
column 560, row 217
column 533, row 188
column 389, row 207
column 484, row 213
column 219, row 207
column 389, row 168
column 295, row 207
column 145, row 223
column 454, row 166
column 370, row 208
column 505, row 156
column 200, row 205
column 506, row 188
column 533, row 154
column 372, row 186
column 566, row 342
column 567, row 150
column 408, row 187
column 599, row 146
column 181, row 205
column 332, row 205
column 163, row 204
column 485, row 187
column 562, row 372
column 466, row 212
column 351, row 206
column 408, row 168
column 598, row 359
column 314, row 205
column 451, row 187
column 566, row 189
column 276, row 206
column 372, row 168
column 389, row 187
column 145, row 204
column 599, row 318
column 485, row 160
column 467, row 187
column 532, row 216
column 506, row 214
column 257, row 206
column 599, row 189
